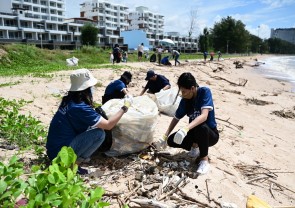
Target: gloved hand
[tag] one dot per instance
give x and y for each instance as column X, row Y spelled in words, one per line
column 161, row 143
column 128, row 100
column 180, row 134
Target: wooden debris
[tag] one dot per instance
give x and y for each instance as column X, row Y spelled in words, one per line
column 152, row 203
column 208, row 193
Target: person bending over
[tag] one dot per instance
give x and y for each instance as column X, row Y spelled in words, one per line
column 156, row 83
column 197, row 104
column 118, row 88
column 76, row 124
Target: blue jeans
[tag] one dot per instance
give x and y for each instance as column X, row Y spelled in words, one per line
column 85, row 144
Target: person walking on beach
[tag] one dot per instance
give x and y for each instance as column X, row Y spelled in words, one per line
column 176, row 55
column 156, row 83
column 211, row 56
column 205, row 54
column 116, row 54
column 76, row 124
column 140, row 50
column 118, row 88
column 159, row 52
column 197, row 104
column 219, row 55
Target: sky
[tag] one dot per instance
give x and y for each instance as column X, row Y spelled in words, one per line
column 259, row 16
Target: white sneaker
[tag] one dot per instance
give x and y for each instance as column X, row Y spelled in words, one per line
column 204, row 167
column 195, row 152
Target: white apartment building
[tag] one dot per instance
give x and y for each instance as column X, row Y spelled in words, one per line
column 153, row 24
column 287, row 34
column 37, row 21
column 111, row 19
column 43, row 23
column 143, row 19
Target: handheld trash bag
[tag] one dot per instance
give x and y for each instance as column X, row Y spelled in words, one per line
column 168, row 101
column 135, row 130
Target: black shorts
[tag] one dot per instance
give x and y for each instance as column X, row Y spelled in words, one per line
column 139, row 54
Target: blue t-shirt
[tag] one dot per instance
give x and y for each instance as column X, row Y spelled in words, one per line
column 115, row 87
column 158, row 84
column 193, row 107
column 67, row 123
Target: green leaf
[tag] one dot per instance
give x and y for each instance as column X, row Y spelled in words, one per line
column 96, row 195
column 70, row 174
column 3, row 186
column 56, row 203
column 51, row 179
column 103, row 204
column 39, row 198
column 6, row 194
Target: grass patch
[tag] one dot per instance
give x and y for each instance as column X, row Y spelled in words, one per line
column 21, row 59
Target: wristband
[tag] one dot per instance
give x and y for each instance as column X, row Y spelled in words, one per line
column 124, row 108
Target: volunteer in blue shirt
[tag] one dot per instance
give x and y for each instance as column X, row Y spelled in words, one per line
column 156, row 83
column 118, row 88
column 197, row 104
column 76, row 124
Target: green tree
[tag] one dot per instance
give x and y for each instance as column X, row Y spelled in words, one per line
column 89, row 34
column 204, row 40
column 230, row 35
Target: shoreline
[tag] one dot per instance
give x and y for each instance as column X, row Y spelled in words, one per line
column 271, row 73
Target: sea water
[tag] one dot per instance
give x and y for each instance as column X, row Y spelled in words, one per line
column 279, row 68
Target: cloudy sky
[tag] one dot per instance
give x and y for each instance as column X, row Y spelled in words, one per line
column 259, row 16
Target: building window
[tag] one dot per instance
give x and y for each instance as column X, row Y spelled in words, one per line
column 43, row 10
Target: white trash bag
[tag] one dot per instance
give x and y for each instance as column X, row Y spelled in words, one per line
column 134, row 132
column 72, row 61
column 168, row 101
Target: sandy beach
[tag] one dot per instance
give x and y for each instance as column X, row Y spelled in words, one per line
column 255, row 116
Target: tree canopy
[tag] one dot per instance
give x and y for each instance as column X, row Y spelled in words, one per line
column 230, row 36
column 89, row 34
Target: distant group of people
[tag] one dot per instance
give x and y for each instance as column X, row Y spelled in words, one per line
column 78, row 125
column 205, row 54
column 118, row 55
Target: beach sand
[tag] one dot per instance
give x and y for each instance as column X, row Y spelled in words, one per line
column 252, row 137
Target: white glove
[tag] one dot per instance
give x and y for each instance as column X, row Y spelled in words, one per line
column 128, row 100
column 161, row 143
column 180, row 134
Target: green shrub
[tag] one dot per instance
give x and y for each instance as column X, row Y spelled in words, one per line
column 57, row 186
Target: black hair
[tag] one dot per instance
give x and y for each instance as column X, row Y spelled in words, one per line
column 126, row 77
column 78, row 97
column 187, row 80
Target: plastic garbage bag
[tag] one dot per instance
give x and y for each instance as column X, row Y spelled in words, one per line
column 168, row 101
column 134, row 132
column 72, row 61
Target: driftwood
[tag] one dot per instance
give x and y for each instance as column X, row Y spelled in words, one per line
column 208, row 194
column 254, row 172
column 227, row 121
column 185, row 196
column 270, row 190
column 221, row 78
column 152, row 203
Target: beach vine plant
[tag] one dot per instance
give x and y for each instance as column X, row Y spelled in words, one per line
column 22, row 130
column 59, row 185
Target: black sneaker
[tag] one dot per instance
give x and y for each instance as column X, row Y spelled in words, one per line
column 82, row 171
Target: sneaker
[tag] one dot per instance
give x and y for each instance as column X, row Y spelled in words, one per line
column 204, row 167
column 82, row 171
column 195, row 152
